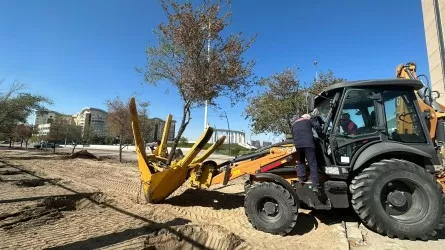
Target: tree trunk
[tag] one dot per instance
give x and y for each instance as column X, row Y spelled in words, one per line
column 120, row 149
column 10, row 142
column 184, row 122
column 54, row 149
column 21, row 143
column 26, row 143
column 289, row 124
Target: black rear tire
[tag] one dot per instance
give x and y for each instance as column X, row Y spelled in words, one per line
column 271, row 208
column 398, row 198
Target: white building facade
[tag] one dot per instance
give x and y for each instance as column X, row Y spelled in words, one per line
column 44, row 118
column 92, row 120
column 43, row 129
column 236, row 137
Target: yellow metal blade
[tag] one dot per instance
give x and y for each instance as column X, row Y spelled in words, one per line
column 209, row 151
column 162, row 149
column 197, row 147
column 139, row 144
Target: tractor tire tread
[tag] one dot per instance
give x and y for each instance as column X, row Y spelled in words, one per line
column 290, row 200
column 360, row 189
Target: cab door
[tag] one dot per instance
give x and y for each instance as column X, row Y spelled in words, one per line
column 355, row 125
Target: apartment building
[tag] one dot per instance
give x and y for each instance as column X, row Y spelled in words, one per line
column 434, row 24
column 92, row 120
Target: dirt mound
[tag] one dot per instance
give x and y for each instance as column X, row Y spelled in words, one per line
column 83, row 154
column 48, row 210
column 193, row 237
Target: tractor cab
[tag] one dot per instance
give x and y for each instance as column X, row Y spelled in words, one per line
column 367, row 119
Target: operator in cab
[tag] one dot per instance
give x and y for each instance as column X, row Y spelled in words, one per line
column 303, row 137
column 348, row 126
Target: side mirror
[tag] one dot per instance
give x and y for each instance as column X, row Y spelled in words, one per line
column 310, row 102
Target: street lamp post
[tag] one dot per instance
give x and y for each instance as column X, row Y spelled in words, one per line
column 228, row 127
column 208, row 61
column 316, row 71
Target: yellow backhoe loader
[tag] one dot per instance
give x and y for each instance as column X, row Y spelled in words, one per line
column 387, row 170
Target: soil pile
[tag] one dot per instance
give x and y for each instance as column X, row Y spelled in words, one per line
column 84, row 154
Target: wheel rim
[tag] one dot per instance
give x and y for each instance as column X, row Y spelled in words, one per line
column 269, row 209
column 404, row 200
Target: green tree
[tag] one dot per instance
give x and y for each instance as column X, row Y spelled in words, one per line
column 272, row 110
column 16, row 106
column 192, row 55
column 324, row 80
column 283, row 98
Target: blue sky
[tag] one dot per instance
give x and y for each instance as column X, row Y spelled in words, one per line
column 80, row 53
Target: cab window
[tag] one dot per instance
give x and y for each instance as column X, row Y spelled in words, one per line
column 357, row 116
column 402, row 121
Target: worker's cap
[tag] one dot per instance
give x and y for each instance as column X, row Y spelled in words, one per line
column 306, row 116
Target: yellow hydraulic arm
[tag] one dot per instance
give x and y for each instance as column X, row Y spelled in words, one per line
column 408, row 71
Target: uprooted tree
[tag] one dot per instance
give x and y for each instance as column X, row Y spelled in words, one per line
column 192, row 55
column 16, row 105
column 283, row 98
column 119, row 122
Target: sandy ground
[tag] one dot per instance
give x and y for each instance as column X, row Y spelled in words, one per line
column 47, row 202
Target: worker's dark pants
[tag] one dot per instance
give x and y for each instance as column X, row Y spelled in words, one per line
column 309, row 154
